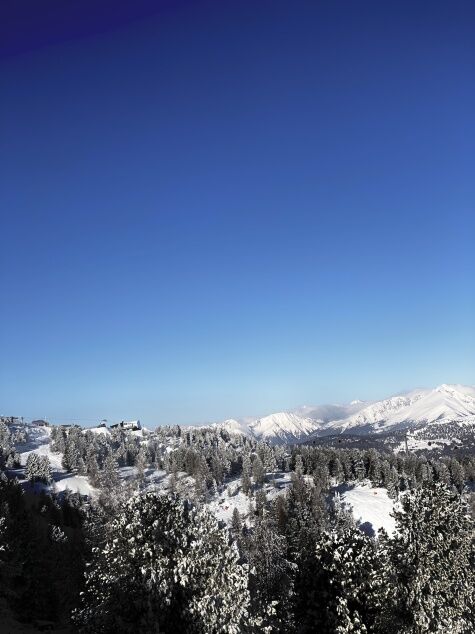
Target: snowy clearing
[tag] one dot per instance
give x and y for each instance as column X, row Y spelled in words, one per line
column 75, row 484
column 371, row 507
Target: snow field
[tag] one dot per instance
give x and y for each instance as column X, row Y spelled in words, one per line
column 371, row 508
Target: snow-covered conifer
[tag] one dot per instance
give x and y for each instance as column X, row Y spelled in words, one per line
column 110, row 476
column 32, row 467
column 141, row 463
column 246, row 475
column 432, row 562
column 166, row 567
column 346, row 585
column 44, row 469
column 236, row 522
column 258, row 472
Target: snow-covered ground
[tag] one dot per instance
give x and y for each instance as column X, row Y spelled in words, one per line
column 224, row 503
column 76, row 484
column 223, row 506
column 418, row 444
column 371, row 507
column 40, row 443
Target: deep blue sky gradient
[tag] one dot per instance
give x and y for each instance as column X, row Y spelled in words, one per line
column 214, row 209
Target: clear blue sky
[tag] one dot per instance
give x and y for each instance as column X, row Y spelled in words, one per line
column 213, row 209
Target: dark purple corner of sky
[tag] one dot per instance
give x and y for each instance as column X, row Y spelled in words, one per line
column 26, row 25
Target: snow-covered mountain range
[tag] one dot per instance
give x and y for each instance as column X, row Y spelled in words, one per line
column 444, row 403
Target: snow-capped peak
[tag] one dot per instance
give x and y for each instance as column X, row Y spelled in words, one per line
column 445, row 402
column 233, row 426
column 283, row 427
column 418, row 406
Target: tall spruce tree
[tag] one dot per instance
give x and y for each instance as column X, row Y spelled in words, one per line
column 432, row 557
column 346, row 586
column 166, row 568
column 246, row 476
column 38, row 468
column 271, row 579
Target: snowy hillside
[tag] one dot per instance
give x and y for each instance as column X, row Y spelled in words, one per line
column 39, row 442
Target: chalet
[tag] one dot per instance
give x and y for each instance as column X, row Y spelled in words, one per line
column 40, row 423
column 130, row 425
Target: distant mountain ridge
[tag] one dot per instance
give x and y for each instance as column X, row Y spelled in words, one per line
column 403, row 411
column 445, row 402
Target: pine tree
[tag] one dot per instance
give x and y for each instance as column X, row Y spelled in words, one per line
column 280, row 513
column 393, row 484
column 374, row 467
column 81, row 466
column 267, row 456
column 442, row 473
column 71, row 456
column 236, row 522
column 321, row 477
column 346, row 585
column 271, row 580
column 358, row 467
column 457, row 475
column 342, row 517
column 246, row 476
column 5, row 438
column 432, row 562
column 305, row 520
column 299, row 469
column 141, row 463
column 166, row 567
column 218, row 468
column 336, row 470
column 110, row 477
column 261, row 500
column 258, row 472
column 203, row 479
column 426, row 473
column 92, row 469
column 44, row 469
column 32, row 467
